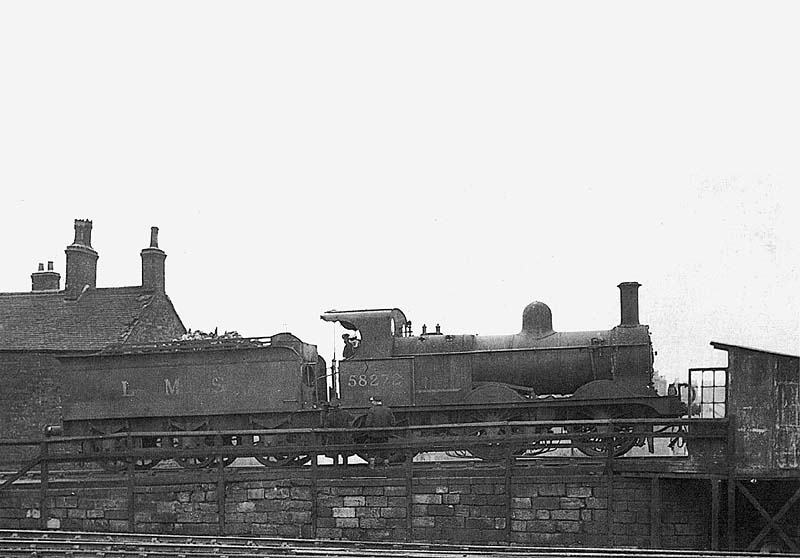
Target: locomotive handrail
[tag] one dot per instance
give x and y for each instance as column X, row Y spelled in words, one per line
column 517, row 350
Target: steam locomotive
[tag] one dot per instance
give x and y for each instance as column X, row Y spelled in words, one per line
column 427, row 379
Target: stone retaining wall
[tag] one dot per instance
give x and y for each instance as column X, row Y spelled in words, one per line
column 444, row 507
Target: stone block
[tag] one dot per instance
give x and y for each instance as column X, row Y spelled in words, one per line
column 423, row 522
column 538, row 526
column 546, row 503
column 575, row 491
column 255, row 494
column 441, row 509
column 451, row 499
column 327, row 533
column 353, row 501
column 479, row 523
column 568, row 526
column 371, row 523
column 394, row 491
column 596, row 503
column 245, row 507
column 368, row 512
column 567, row 503
column 552, row 489
column 344, row 512
column 427, row 498
column 393, row 512
column 347, row 490
column 521, row 503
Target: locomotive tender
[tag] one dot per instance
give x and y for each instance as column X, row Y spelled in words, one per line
column 428, row 379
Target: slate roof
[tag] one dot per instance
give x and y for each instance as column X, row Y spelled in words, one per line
column 47, row 321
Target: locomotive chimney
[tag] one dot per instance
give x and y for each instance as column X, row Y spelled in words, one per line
column 153, row 264
column 629, row 303
column 81, row 260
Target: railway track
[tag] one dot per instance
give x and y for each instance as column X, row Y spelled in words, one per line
column 60, row 544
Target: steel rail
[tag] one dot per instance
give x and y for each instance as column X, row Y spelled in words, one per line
column 56, row 543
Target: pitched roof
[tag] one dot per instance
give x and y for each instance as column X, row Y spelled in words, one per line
column 47, row 321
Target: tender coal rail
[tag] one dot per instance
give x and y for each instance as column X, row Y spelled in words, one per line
column 56, row 544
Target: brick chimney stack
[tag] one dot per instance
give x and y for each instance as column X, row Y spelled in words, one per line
column 81, row 260
column 153, row 264
column 46, row 280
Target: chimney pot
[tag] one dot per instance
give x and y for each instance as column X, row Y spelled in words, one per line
column 42, row 280
column 153, row 264
column 83, row 232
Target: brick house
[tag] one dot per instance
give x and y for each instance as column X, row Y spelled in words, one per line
column 48, row 321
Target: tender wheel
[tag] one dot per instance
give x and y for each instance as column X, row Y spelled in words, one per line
column 193, row 442
column 148, row 442
column 99, row 447
column 230, row 441
column 120, row 445
column 280, row 460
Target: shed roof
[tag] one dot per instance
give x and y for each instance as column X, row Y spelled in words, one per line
column 48, row 321
column 728, row 346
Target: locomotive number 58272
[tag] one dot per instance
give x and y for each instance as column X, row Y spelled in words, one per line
column 374, row 380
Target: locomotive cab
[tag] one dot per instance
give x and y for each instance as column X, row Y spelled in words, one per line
column 376, row 329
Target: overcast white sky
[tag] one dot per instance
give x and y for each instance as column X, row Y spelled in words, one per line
column 454, row 159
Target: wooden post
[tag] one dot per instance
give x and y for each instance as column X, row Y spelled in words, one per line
column 731, row 512
column 314, row 496
column 610, row 490
column 45, row 472
column 410, row 498
column 655, row 512
column 731, row 452
column 715, row 511
column 508, row 474
column 221, row 494
column 131, row 474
